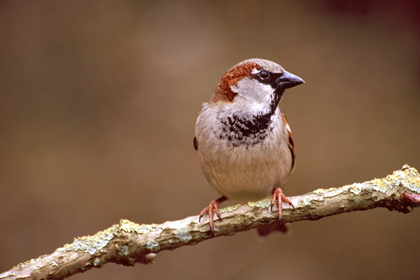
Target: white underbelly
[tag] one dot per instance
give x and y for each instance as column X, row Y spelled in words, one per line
column 248, row 174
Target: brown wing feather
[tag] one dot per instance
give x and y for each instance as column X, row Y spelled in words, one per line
column 291, row 142
column 195, row 143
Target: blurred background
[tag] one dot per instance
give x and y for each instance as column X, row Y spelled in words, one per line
column 98, row 104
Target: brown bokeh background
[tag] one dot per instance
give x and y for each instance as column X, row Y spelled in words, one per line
column 98, row 104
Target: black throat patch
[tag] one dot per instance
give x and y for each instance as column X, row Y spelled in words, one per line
column 246, row 131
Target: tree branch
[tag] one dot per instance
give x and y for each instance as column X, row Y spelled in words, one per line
column 128, row 243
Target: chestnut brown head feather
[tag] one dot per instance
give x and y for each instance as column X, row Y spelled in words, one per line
column 223, row 91
column 264, row 71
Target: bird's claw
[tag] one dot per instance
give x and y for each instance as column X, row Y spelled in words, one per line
column 212, row 209
column 277, row 198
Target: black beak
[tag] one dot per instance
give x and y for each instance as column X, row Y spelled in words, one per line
column 288, row 80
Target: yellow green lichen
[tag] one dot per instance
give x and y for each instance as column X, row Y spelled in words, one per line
column 262, row 203
column 355, row 188
column 90, row 244
column 183, row 234
column 96, row 262
column 407, row 177
column 129, row 226
column 152, row 245
column 230, row 208
column 123, row 251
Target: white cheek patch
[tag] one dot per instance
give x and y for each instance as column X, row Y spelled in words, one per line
column 257, row 108
column 253, row 95
column 253, row 90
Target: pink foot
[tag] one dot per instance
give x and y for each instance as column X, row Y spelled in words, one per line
column 277, row 198
column 212, row 209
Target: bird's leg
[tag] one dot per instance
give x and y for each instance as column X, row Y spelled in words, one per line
column 277, row 198
column 212, row 209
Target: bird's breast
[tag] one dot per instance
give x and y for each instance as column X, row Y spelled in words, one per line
column 241, row 161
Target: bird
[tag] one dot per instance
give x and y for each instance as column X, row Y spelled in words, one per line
column 244, row 142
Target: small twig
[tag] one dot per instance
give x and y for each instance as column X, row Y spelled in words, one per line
column 129, row 243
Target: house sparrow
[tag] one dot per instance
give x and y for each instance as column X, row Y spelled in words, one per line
column 244, row 143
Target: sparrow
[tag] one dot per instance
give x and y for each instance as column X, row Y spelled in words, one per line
column 244, row 142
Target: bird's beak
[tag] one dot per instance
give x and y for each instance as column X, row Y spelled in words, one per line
column 288, row 80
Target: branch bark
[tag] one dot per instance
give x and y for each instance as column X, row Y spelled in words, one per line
column 128, row 243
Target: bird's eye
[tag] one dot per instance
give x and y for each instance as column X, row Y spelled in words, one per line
column 264, row 74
